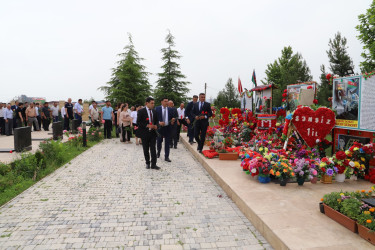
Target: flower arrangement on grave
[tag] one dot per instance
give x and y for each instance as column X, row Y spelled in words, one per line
column 327, row 167
column 282, row 168
column 304, row 169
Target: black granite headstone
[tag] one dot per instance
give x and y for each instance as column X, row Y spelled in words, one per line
column 75, row 125
column 57, row 128
column 22, row 139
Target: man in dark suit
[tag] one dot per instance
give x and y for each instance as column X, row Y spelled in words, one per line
column 147, row 122
column 173, row 138
column 190, row 118
column 166, row 118
column 202, row 112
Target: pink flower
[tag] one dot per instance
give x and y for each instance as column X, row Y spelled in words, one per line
column 92, row 133
column 103, row 121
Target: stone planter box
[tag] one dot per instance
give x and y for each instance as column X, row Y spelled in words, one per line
column 366, row 234
column 341, row 219
column 228, row 156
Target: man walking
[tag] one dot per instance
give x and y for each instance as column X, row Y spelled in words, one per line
column 173, row 139
column 39, row 119
column 147, row 121
column 46, row 116
column 190, row 119
column 68, row 114
column 109, row 118
column 31, row 117
column 24, row 121
column 181, row 120
column 19, row 115
column 165, row 117
column 78, row 111
column 2, row 121
column 202, row 112
column 55, row 112
column 8, row 116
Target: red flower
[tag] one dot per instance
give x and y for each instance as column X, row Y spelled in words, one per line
column 315, row 101
column 147, row 119
column 340, row 155
column 11, row 151
column 202, row 112
column 284, row 100
column 309, row 87
column 328, row 76
column 285, row 95
column 285, row 90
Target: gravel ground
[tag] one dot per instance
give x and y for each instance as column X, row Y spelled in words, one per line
column 106, row 198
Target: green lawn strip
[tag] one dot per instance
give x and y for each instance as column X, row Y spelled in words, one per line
column 20, row 183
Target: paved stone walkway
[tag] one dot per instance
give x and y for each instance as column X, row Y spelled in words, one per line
column 106, row 198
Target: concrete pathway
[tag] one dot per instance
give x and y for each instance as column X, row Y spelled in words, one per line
column 106, row 198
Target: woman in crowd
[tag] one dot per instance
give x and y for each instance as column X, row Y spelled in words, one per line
column 134, row 119
column 125, row 124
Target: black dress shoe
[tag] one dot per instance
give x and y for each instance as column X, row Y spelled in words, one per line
column 194, row 142
column 168, row 160
column 147, row 166
column 158, row 154
column 155, row 167
column 175, row 147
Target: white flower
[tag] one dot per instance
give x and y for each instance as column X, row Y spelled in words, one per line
column 253, row 170
column 317, row 140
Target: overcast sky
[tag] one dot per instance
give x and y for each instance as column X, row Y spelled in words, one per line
column 61, row 49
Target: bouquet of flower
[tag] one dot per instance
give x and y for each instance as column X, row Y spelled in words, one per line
column 282, row 169
column 327, row 167
column 341, row 162
column 303, row 170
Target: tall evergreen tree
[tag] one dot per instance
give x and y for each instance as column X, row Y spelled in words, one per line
column 288, row 69
column 129, row 82
column 170, row 83
column 366, row 30
column 339, row 59
column 325, row 89
column 228, row 97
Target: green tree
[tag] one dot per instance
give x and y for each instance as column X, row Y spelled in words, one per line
column 339, row 60
column 129, row 82
column 366, row 29
column 325, row 89
column 288, row 69
column 170, row 83
column 228, row 97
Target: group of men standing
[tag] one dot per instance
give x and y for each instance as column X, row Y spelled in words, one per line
column 163, row 124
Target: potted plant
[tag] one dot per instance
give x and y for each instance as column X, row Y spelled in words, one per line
column 282, row 170
column 366, row 224
column 333, row 204
column 341, row 164
column 302, row 170
column 327, row 170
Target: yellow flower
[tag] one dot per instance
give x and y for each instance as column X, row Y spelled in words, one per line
column 347, row 152
column 342, row 194
column 356, row 149
column 266, row 149
column 356, row 164
column 366, row 212
column 363, row 159
column 284, row 170
column 373, row 187
column 261, row 149
column 339, row 200
column 322, row 164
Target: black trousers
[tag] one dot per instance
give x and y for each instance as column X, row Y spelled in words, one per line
column 149, row 146
column 200, row 129
column 39, row 122
column 191, row 131
column 182, row 122
column 2, row 126
column 46, row 122
column 173, row 138
column 165, row 133
column 67, row 123
column 108, row 129
column 126, row 133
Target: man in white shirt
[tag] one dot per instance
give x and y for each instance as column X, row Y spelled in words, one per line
column 78, row 109
column 2, row 121
column 55, row 112
column 181, row 119
column 38, row 117
column 63, row 112
column 8, row 117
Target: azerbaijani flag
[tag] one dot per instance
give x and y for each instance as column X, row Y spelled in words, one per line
column 240, row 90
column 254, row 79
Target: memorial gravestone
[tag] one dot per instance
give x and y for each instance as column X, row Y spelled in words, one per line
column 57, row 128
column 22, row 139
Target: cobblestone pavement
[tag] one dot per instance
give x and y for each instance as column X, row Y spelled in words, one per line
column 106, row 198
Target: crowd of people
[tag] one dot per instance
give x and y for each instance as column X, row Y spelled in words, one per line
column 37, row 115
column 152, row 126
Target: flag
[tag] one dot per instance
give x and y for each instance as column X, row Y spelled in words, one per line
column 254, row 79
column 240, row 90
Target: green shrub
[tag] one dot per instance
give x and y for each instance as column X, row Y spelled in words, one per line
column 27, row 166
column 94, row 134
column 351, row 207
column 4, row 169
column 333, row 200
column 54, row 151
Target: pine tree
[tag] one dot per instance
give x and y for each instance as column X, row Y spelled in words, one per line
column 129, row 82
column 366, row 29
column 170, row 84
column 228, row 97
column 339, row 60
column 288, row 69
column 325, row 89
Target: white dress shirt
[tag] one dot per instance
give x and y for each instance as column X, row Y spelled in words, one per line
column 181, row 113
column 63, row 112
column 78, row 108
column 8, row 114
column 37, row 111
column 166, row 115
column 2, row 112
column 134, row 115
